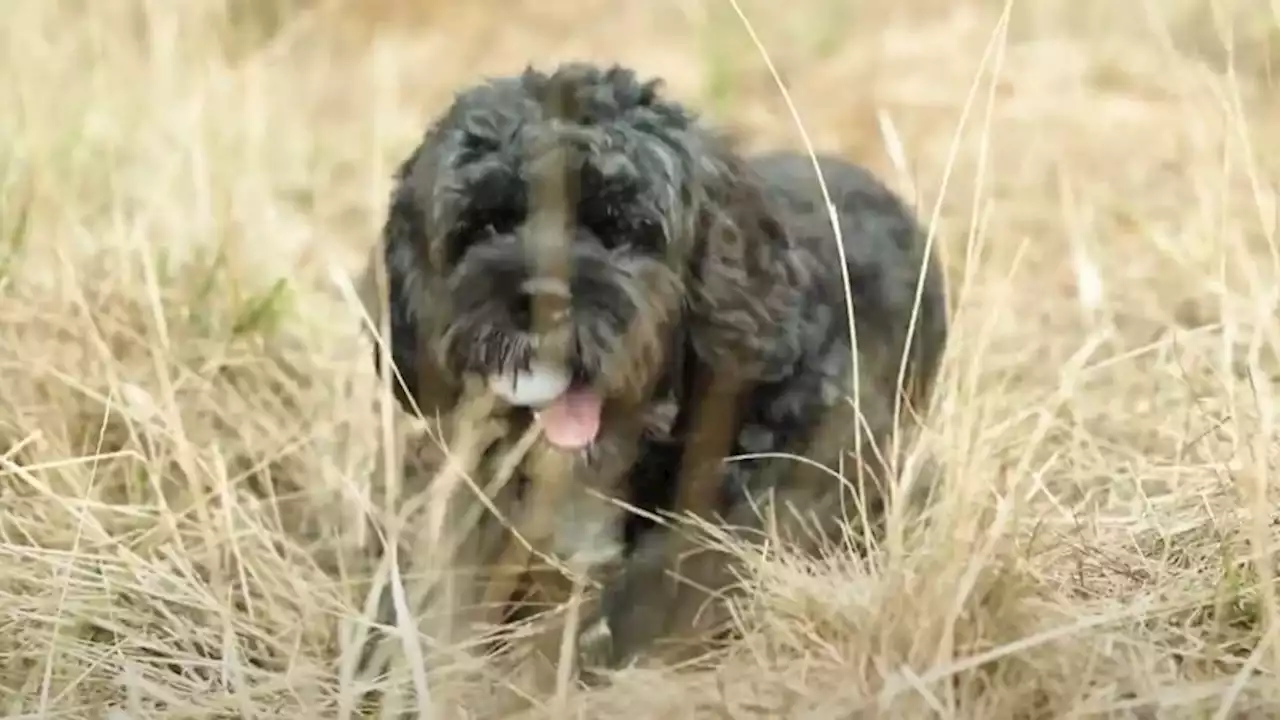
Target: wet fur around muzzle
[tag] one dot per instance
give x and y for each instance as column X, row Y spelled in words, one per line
column 578, row 214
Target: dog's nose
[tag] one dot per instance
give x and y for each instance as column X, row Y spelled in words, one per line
column 541, row 303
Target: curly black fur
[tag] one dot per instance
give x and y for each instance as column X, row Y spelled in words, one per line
column 804, row 410
column 689, row 275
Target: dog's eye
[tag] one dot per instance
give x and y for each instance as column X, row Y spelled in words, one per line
column 616, row 231
column 606, row 226
column 648, row 235
column 480, row 227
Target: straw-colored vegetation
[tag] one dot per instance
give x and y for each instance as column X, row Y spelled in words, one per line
column 189, row 421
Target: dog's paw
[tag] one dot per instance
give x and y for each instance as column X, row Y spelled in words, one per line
column 595, row 651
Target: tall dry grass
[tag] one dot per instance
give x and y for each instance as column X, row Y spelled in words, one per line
column 189, row 421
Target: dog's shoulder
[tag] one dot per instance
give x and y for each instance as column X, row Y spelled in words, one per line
column 883, row 238
column 870, row 212
column 885, row 251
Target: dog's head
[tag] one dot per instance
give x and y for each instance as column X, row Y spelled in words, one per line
column 577, row 220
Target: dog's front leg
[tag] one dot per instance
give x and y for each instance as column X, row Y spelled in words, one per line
column 661, row 593
column 675, row 591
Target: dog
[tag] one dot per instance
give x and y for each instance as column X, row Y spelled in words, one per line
column 695, row 298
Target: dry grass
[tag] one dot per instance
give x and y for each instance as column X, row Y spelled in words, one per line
column 189, row 421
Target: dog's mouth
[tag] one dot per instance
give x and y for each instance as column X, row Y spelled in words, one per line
column 572, row 420
column 568, row 408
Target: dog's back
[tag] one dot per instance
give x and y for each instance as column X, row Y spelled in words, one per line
column 885, row 251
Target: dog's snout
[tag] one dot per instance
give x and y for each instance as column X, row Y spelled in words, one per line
column 549, row 286
column 541, row 303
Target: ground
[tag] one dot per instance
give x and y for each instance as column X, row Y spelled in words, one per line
column 188, row 422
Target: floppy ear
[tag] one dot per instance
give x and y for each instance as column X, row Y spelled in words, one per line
column 402, row 283
column 748, row 276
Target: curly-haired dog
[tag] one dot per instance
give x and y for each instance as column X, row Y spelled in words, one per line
column 577, row 215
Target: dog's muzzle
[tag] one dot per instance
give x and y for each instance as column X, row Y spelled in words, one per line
column 541, row 305
column 569, row 411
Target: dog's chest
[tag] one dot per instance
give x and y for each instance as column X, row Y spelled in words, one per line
column 572, row 501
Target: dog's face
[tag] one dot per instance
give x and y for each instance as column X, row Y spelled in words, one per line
column 554, row 242
column 571, row 221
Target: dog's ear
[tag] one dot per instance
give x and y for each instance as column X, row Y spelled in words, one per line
column 401, row 292
column 749, row 278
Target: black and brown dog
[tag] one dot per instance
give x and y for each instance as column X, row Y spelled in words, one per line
column 695, row 302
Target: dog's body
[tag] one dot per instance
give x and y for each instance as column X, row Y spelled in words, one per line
column 697, row 296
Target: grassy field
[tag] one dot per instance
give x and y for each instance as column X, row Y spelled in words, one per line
column 189, row 418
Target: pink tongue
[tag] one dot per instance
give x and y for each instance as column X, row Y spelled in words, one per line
column 571, row 421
